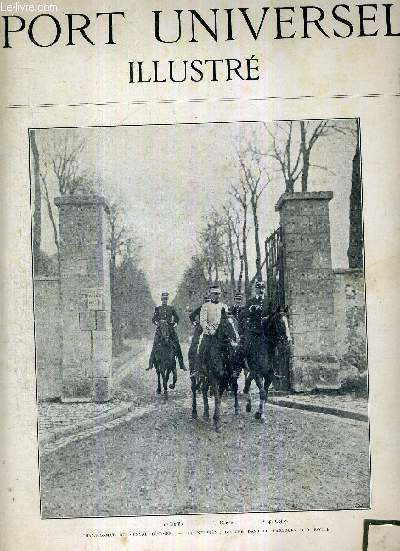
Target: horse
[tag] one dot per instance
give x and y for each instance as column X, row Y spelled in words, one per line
column 213, row 369
column 164, row 358
column 260, row 356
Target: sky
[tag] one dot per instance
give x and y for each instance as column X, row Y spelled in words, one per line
column 168, row 177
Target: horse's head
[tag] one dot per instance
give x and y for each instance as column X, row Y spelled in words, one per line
column 227, row 329
column 276, row 326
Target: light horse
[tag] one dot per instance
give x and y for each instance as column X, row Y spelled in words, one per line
column 164, row 358
column 260, row 357
column 213, row 369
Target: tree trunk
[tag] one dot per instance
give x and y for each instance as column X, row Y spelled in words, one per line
column 209, row 270
column 289, row 186
column 244, row 252
column 306, row 157
column 37, row 213
column 240, row 278
column 256, row 240
column 231, row 261
column 216, row 267
column 53, row 224
column 355, row 250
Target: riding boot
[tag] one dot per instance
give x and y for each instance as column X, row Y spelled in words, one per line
column 151, row 360
column 180, row 357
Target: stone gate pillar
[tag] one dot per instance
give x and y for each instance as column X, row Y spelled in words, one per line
column 309, row 288
column 85, row 298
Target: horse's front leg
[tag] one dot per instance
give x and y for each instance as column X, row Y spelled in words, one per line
column 267, row 383
column 165, row 385
column 158, row 382
column 246, row 390
column 260, row 384
column 217, row 406
column 174, row 376
column 193, row 384
column 235, row 392
column 204, row 390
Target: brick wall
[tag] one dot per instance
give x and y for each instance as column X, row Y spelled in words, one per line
column 48, row 337
column 85, row 298
column 309, row 289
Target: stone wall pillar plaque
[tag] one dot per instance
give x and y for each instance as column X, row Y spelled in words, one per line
column 85, row 298
column 309, row 289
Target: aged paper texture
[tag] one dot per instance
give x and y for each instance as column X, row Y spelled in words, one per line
column 146, row 188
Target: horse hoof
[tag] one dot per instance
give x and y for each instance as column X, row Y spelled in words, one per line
column 262, row 418
column 217, row 427
column 237, row 411
column 172, row 386
column 248, row 407
column 206, row 417
column 158, row 390
column 257, row 415
column 194, row 414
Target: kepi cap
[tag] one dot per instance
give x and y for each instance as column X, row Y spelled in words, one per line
column 215, row 289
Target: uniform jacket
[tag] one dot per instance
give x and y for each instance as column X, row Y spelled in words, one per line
column 210, row 316
column 252, row 314
column 166, row 313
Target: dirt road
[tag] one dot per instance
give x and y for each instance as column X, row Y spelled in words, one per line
column 163, row 462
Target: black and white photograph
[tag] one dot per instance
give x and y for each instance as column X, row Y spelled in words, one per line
column 199, row 318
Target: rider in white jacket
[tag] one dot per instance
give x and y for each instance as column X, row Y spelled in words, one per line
column 210, row 313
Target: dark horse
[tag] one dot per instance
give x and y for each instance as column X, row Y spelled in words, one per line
column 164, row 358
column 213, row 369
column 260, row 356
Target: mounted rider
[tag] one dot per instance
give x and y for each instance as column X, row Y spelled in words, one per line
column 210, row 317
column 166, row 313
column 194, row 317
column 236, row 311
column 211, row 312
column 250, row 319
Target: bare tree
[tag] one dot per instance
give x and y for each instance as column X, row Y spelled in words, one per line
column 292, row 143
column 255, row 180
column 240, row 194
column 66, row 163
column 310, row 133
column 286, row 151
column 61, row 167
column 116, row 242
column 230, row 216
column 212, row 245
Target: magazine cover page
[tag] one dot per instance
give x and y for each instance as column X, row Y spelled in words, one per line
column 199, row 275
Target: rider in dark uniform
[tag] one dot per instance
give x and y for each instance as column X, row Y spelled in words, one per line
column 236, row 311
column 250, row 322
column 167, row 313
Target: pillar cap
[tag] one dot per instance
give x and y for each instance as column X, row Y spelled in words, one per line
column 77, row 200
column 303, row 196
